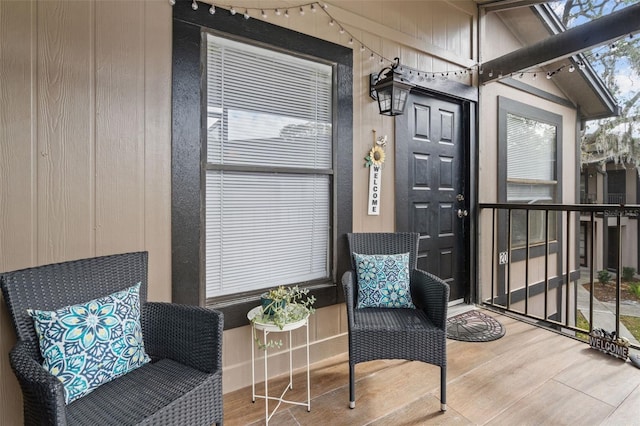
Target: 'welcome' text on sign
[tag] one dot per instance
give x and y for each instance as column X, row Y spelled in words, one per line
column 375, row 178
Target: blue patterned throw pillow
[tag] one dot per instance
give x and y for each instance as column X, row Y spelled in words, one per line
column 383, row 281
column 89, row 344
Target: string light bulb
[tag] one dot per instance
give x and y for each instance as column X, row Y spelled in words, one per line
column 362, row 47
column 212, row 10
column 572, row 68
column 331, row 23
column 351, row 41
column 246, row 14
column 172, row 2
column 286, row 13
column 278, row 13
column 264, row 15
column 614, row 47
column 341, row 30
column 548, row 76
column 371, row 56
column 301, row 11
column 232, row 11
column 535, row 76
column 194, row 5
column 313, row 8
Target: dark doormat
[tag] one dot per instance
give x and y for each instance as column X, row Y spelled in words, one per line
column 474, row 326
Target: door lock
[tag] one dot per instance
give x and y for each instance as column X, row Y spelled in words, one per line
column 462, row 213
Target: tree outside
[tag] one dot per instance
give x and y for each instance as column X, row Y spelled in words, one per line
column 618, row 65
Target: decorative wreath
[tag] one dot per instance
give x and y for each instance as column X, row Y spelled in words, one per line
column 376, row 155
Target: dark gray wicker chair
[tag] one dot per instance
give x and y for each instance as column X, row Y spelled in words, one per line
column 181, row 386
column 397, row 333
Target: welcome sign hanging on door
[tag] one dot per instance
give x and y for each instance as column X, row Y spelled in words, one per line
column 374, row 161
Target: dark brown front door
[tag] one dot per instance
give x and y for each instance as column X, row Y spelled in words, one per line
column 430, row 186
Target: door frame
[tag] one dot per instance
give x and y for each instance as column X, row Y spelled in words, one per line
column 467, row 98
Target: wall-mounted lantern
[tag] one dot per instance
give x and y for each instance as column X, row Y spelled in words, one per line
column 390, row 89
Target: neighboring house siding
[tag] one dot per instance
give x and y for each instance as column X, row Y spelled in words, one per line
column 621, row 184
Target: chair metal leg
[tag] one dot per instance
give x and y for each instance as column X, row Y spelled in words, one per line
column 352, row 386
column 443, row 388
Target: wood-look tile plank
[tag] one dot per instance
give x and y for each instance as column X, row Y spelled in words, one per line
column 530, row 376
column 479, row 394
column 627, row 413
column 325, row 377
column 601, row 376
column 554, row 403
column 377, row 395
column 423, row 411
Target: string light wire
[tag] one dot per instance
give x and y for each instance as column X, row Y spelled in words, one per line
column 462, row 72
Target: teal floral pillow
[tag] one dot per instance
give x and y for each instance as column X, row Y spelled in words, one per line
column 89, row 344
column 383, row 281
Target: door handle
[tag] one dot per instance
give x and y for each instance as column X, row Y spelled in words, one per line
column 462, row 213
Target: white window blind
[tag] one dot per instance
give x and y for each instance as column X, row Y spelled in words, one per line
column 269, row 177
column 531, row 176
column 531, row 160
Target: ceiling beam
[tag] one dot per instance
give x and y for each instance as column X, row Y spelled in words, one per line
column 498, row 5
column 568, row 43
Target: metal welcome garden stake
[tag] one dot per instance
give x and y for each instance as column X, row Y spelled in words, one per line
column 374, row 161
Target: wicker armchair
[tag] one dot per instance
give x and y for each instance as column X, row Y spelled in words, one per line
column 397, row 333
column 182, row 385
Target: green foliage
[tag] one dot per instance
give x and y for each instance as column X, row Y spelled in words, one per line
column 282, row 306
column 582, row 323
column 635, row 288
column 618, row 65
column 628, row 272
column 604, row 277
column 632, row 324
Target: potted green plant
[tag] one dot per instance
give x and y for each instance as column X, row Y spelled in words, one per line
column 281, row 306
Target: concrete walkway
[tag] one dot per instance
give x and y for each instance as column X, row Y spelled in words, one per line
column 604, row 313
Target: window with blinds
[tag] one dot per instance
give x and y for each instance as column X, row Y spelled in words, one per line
column 531, row 175
column 269, row 168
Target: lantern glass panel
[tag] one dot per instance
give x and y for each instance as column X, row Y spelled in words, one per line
column 384, row 100
column 400, row 99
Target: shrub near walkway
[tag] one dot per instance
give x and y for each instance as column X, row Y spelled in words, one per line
column 629, row 291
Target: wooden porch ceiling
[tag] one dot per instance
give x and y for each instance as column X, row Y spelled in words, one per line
column 565, row 44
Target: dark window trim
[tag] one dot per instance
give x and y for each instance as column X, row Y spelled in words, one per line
column 188, row 160
column 532, row 90
column 506, row 105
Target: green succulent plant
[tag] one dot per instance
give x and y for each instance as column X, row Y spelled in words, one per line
column 281, row 306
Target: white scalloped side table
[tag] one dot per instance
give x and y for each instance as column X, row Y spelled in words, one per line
column 267, row 328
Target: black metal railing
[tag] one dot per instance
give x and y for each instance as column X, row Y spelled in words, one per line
column 616, row 198
column 536, row 273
